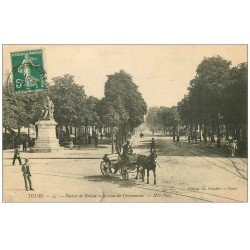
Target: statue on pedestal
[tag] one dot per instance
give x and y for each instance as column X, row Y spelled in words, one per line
column 46, row 140
column 48, row 109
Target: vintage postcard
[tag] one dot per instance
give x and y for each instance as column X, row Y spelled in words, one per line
column 125, row 123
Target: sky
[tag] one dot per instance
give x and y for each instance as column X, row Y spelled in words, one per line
column 162, row 72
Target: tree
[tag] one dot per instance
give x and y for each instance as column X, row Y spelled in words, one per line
column 70, row 102
column 163, row 118
column 170, row 118
column 109, row 117
column 217, row 100
column 153, row 119
column 21, row 109
column 235, row 104
column 127, row 102
column 204, row 104
column 213, row 74
column 91, row 111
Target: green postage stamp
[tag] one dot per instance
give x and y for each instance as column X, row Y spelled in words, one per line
column 28, row 70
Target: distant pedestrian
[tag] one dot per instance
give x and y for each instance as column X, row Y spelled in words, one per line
column 152, row 145
column 189, row 136
column 209, row 136
column 218, row 142
column 101, row 135
column 16, row 156
column 89, row 138
column 177, row 140
column 27, row 174
column 174, row 138
column 71, row 144
column 96, row 140
column 204, row 137
column 195, row 136
column 24, row 145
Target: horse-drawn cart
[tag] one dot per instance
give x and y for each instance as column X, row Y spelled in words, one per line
column 113, row 163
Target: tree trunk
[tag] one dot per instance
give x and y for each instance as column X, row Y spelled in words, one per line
column 28, row 135
column 57, row 133
column 112, row 136
column 19, row 136
column 218, row 128
column 124, row 130
column 191, row 131
column 227, row 131
column 195, row 129
column 36, row 127
column 238, row 137
column 199, row 129
column 86, row 135
column 67, row 132
column 62, row 134
column 234, row 131
column 205, row 133
column 218, row 134
column 120, row 138
column 244, row 137
column 212, row 132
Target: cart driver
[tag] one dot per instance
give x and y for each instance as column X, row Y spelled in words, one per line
column 127, row 150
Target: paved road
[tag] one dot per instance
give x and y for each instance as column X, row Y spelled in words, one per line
column 189, row 173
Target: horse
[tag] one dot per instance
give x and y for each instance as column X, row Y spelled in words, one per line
column 232, row 147
column 147, row 162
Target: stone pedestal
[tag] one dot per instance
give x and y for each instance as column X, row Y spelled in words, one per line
column 46, row 141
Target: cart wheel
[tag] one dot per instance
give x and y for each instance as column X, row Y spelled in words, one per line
column 112, row 168
column 125, row 175
column 104, row 166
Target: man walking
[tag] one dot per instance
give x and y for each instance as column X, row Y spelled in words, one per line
column 178, row 140
column 16, row 156
column 152, row 145
column 26, row 174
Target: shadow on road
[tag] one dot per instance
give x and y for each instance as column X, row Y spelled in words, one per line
column 115, row 179
column 15, row 189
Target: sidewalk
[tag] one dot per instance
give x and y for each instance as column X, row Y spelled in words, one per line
column 64, row 153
